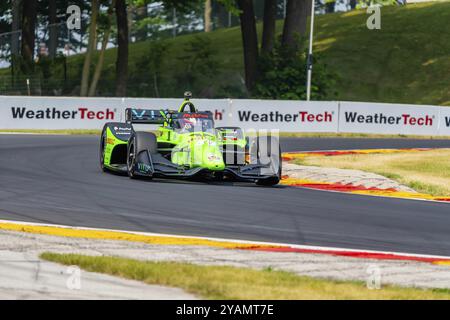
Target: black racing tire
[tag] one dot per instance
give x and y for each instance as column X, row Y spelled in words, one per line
column 266, row 148
column 138, row 142
column 102, row 149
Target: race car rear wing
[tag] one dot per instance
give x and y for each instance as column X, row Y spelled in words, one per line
column 147, row 116
column 153, row 116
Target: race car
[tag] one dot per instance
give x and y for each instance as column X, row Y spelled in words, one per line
column 188, row 145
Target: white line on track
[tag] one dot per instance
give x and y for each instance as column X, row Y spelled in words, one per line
column 295, row 246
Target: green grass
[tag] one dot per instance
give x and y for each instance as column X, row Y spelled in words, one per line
column 426, row 172
column 407, row 61
column 223, row 282
column 357, row 135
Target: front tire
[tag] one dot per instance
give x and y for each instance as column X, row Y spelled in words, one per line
column 102, row 150
column 138, row 145
column 131, row 157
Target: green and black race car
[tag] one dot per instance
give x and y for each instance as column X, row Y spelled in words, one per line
column 188, row 145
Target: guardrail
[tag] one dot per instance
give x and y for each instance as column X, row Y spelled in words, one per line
column 286, row 116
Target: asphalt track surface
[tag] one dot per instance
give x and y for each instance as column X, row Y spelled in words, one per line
column 56, row 179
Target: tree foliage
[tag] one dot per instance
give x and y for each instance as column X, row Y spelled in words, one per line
column 283, row 76
column 153, row 62
column 198, row 65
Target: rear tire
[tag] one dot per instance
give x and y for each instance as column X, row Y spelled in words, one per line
column 139, row 142
column 274, row 158
column 102, row 150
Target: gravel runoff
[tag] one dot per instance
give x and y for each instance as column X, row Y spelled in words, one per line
column 342, row 176
column 23, row 275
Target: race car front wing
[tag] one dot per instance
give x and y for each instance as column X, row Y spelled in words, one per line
column 155, row 165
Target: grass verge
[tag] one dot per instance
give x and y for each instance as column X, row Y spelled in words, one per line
column 358, row 135
column 223, row 282
column 426, row 172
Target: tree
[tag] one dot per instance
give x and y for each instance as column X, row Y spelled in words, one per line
column 53, row 29
column 141, row 23
column 221, row 14
column 208, row 22
column 295, row 22
column 249, row 41
column 122, row 49
column 101, row 57
column 29, row 12
column 92, row 43
column 15, row 27
column 268, row 37
column 282, row 76
column 330, row 6
column 307, row 13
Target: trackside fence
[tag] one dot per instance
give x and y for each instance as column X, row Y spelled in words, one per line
column 52, row 113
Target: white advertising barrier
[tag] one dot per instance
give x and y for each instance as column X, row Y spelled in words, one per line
column 286, row 116
column 444, row 123
column 58, row 113
column 87, row 113
column 383, row 118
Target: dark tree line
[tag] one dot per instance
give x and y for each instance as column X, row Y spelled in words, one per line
column 297, row 12
column 25, row 15
column 28, row 16
column 122, row 50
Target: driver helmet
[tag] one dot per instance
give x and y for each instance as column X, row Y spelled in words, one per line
column 187, row 124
